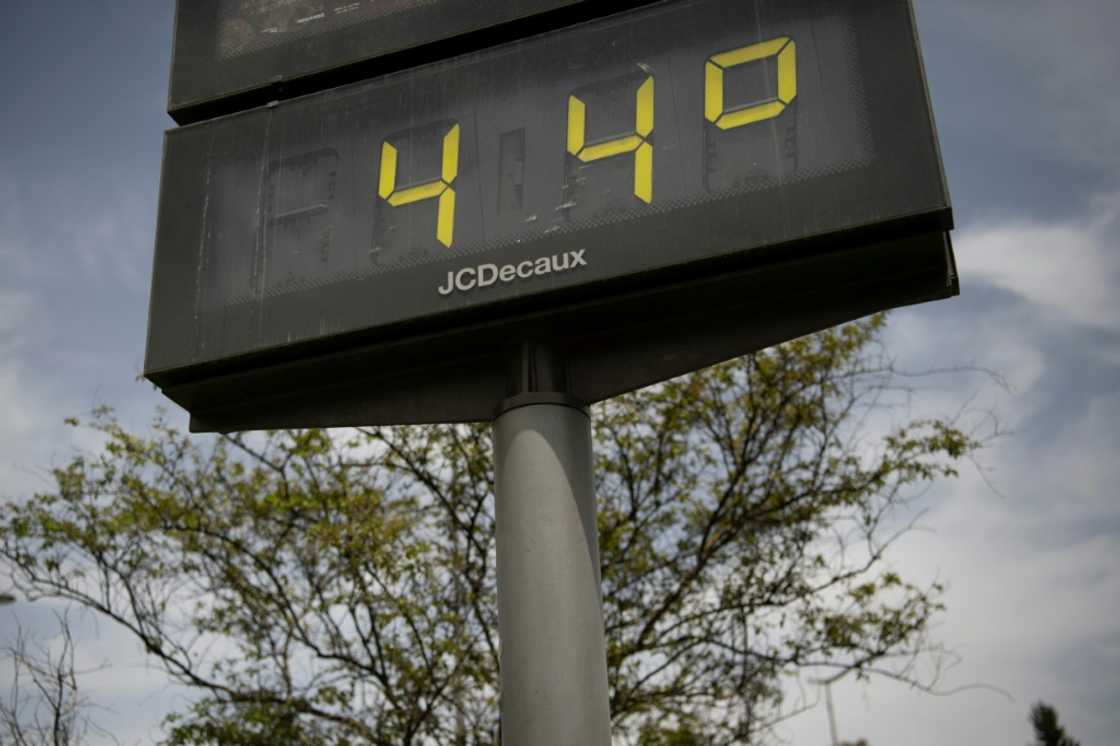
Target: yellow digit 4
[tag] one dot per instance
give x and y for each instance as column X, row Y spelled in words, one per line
column 440, row 188
column 784, row 49
column 635, row 143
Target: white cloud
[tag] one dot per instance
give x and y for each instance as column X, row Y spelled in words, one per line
column 113, row 238
column 16, row 308
column 103, row 239
column 1031, row 566
column 126, row 695
column 1071, row 269
column 1033, row 598
column 21, row 425
column 1060, row 281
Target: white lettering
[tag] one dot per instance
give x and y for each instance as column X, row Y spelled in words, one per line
column 450, row 284
column 486, row 280
column 462, row 284
column 485, row 275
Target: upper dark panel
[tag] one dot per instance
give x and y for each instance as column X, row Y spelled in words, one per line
column 235, row 48
column 625, row 153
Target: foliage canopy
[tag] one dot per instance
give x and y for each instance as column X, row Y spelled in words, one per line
column 339, row 588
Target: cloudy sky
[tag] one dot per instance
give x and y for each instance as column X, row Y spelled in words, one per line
column 1027, row 104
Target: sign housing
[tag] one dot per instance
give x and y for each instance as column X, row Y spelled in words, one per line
column 650, row 193
column 231, row 55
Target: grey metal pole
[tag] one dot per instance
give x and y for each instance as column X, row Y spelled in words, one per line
column 550, row 611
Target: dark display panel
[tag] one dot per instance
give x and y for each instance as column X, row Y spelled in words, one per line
column 637, row 150
column 229, row 47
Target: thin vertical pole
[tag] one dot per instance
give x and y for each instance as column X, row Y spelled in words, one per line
column 550, row 612
column 831, row 712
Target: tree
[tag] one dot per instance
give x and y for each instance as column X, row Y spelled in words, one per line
column 339, row 588
column 1047, row 731
column 44, row 706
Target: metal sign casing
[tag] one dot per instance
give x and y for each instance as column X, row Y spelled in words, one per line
column 651, row 192
column 234, row 54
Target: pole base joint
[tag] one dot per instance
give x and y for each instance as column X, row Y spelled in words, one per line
column 537, row 375
column 540, row 397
